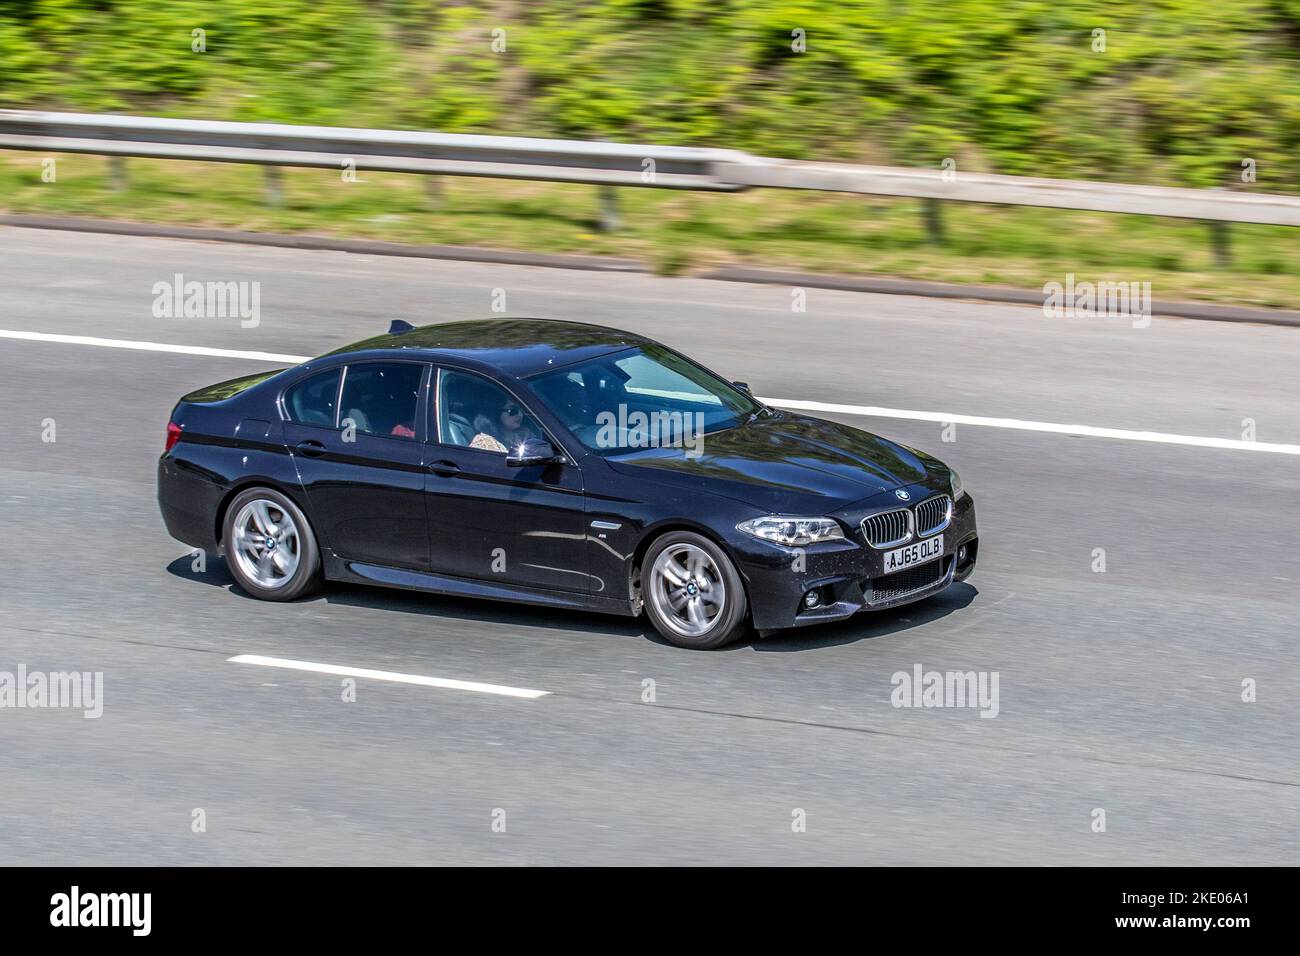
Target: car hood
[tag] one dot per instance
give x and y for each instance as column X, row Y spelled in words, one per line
column 788, row 464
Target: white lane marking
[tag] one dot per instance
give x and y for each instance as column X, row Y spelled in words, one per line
column 1089, row 431
column 151, row 346
column 417, row 679
column 868, row 411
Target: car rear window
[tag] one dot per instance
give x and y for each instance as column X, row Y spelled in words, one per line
column 311, row 401
column 228, row 389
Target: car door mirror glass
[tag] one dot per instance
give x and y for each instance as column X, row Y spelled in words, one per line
column 532, row 451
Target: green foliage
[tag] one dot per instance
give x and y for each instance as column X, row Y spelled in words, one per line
column 1183, row 91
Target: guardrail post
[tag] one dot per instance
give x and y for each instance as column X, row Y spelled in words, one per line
column 433, row 192
column 1221, row 244
column 274, row 183
column 932, row 213
column 118, row 181
column 609, row 218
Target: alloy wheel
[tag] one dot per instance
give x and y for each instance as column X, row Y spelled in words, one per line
column 687, row 589
column 266, row 543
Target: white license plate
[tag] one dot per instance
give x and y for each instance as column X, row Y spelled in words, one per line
column 913, row 554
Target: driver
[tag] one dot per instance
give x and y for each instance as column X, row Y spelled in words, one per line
column 512, row 431
column 507, row 432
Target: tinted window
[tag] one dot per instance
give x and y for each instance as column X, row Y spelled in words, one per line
column 641, row 397
column 477, row 413
column 311, row 401
column 380, row 398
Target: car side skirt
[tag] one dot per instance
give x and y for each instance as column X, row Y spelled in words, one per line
column 356, row 572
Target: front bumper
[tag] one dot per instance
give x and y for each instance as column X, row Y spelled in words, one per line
column 849, row 575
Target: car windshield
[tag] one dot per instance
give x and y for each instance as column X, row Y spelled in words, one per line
column 639, row 398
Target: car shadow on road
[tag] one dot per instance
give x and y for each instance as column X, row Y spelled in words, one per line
column 869, row 625
column 445, row 606
column 214, row 572
column 861, row 627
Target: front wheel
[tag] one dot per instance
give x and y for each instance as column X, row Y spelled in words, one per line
column 693, row 593
column 270, row 548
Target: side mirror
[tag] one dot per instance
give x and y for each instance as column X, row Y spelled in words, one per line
column 533, row 451
column 743, row 386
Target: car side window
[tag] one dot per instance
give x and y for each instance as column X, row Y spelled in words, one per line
column 311, row 401
column 381, row 398
column 476, row 413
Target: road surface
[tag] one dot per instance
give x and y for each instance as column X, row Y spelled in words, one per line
column 1119, row 690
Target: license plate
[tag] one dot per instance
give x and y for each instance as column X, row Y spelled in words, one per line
column 913, row 554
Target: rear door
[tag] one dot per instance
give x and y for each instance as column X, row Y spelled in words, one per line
column 354, row 435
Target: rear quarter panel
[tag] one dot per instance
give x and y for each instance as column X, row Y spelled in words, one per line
column 225, row 446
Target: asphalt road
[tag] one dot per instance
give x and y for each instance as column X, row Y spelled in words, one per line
column 1120, row 690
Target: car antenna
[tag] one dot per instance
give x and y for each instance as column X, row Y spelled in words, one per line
column 399, row 326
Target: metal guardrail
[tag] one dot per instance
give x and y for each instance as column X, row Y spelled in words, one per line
column 1217, row 205
column 604, row 164
column 401, row 151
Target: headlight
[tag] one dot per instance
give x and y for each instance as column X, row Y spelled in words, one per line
column 790, row 532
column 955, row 479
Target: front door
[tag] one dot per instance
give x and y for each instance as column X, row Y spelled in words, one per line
column 490, row 521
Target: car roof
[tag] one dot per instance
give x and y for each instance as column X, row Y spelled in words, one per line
column 516, row 346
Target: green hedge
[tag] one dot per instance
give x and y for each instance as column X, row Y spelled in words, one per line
column 1183, row 92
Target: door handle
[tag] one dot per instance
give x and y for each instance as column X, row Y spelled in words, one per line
column 445, row 468
column 310, row 448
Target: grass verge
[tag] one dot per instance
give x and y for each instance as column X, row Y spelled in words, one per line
column 677, row 232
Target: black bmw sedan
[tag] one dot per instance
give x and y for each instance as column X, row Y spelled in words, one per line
column 557, row 464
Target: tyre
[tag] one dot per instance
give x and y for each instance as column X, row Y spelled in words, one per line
column 270, row 547
column 693, row 593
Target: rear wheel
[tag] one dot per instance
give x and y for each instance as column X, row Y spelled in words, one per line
column 270, row 547
column 693, row 593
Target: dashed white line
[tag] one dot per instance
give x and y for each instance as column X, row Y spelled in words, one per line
column 867, row 411
column 417, row 679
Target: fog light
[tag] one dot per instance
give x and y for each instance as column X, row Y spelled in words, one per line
column 812, row 599
column 961, row 554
